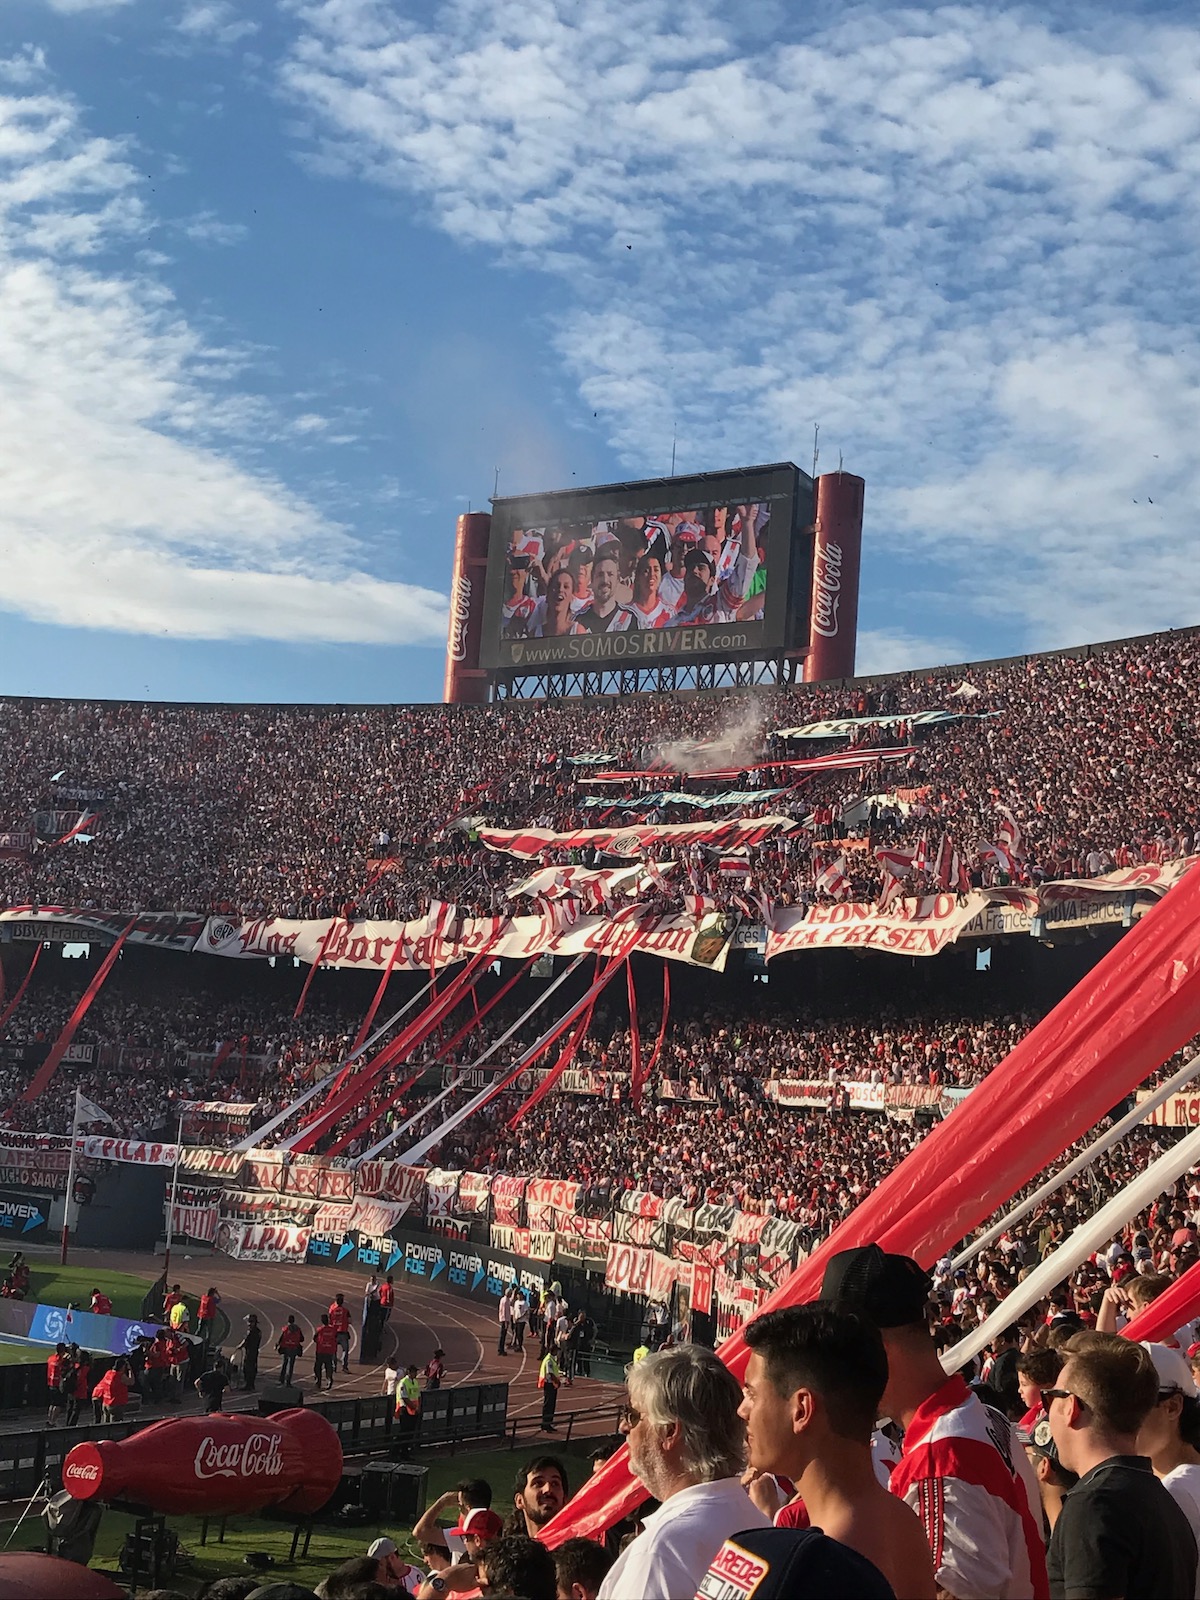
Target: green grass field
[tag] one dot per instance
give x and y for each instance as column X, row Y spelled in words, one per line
column 330, row 1545
column 52, row 1285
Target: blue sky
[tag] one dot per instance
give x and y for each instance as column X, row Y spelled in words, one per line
column 282, row 284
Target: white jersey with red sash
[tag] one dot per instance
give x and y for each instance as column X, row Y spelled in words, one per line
column 964, row 1473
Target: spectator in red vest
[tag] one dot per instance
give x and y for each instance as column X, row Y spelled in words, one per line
column 101, row 1304
column 56, row 1365
column 207, row 1315
column 387, row 1296
column 158, row 1359
column 325, row 1345
column 179, row 1355
column 339, row 1321
column 113, row 1391
column 289, row 1345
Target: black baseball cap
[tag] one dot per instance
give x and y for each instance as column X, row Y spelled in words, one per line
column 1041, row 1442
column 791, row 1564
column 891, row 1290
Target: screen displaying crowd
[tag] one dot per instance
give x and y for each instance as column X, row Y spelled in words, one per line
column 682, row 569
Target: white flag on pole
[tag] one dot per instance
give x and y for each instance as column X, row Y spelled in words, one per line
column 88, row 1111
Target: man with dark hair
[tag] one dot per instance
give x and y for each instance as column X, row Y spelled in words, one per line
column 469, row 1495
column 1054, row 1481
column 518, row 1566
column 539, row 1493
column 581, row 1566
column 1119, row 1533
column 811, row 1394
column 606, row 614
column 961, row 1470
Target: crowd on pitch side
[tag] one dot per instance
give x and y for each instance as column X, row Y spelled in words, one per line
column 319, row 811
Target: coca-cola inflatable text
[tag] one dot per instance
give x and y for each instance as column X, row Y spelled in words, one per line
column 212, row 1465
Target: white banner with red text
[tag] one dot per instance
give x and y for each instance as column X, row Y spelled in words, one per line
column 629, row 1270
column 139, row 1152
column 263, row 1241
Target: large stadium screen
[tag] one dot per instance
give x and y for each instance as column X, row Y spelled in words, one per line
column 675, row 568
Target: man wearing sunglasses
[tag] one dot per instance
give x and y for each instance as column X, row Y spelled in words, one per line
column 1120, row 1535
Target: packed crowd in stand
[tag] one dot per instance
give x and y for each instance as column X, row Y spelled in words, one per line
column 208, row 808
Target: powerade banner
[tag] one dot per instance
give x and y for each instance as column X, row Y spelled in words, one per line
column 24, row 1214
column 474, row 1272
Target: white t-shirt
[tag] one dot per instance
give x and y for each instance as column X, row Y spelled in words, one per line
column 1184, row 1484
column 670, row 1557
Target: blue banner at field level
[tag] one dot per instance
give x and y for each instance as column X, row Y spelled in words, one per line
column 51, row 1325
column 24, row 1213
column 474, row 1271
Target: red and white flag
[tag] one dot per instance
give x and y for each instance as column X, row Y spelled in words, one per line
column 945, row 864
column 891, row 891
column 896, row 860
column 998, row 854
column 1009, row 834
column 833, row 881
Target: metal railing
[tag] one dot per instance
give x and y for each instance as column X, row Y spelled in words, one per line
column 565, row 1423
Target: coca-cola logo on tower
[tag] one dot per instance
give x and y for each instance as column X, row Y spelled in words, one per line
column 460, row 615
column 81, row 1472
column 256, row 1457
column 827, row 585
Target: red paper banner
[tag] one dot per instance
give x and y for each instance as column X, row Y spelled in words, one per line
column 50, row 1066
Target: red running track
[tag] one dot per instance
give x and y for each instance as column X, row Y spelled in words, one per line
column 423, row 1318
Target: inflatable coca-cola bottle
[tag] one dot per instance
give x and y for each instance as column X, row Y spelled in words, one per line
column 213, row 1465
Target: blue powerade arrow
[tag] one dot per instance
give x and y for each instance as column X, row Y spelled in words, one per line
column 35, row 1221
column 345, row 1248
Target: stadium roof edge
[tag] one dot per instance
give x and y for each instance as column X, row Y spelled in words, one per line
column 939, row 670
column 642, row 483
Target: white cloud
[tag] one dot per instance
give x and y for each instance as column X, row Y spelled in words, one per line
column 214, row 22
column 123, row 504
column 71, row 8
column 883, row 650
column 961, row 238
column 205, row 228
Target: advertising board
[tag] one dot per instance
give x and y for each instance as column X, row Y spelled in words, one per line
column 476, row 1272
column 644, row 573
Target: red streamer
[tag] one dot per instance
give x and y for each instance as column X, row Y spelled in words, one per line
column 24, row 984
column 569, row 1017
column 356, row 1088
column 1174, row 1307
column 312, row 971
column 635, row 1038
column 375, row 1004
column 50, row 1066
column 557, row 1070
column 1137, row 1006
column 221, row 1057
column 373, row 1115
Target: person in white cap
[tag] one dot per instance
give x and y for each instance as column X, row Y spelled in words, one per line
column 1170, row 1435
column 394, row 1571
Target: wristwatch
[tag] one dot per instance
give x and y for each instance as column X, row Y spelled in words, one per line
column 438, row 1585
